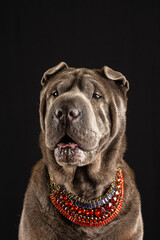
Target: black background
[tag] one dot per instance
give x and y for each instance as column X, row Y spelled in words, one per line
column 37, row 36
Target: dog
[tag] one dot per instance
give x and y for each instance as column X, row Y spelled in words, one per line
column 82, row 188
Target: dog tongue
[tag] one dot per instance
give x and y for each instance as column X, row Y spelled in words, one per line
column 64, row 145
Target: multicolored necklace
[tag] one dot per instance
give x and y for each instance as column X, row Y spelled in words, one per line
column 90, row 213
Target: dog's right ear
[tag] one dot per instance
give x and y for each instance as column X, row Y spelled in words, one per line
column 51, row 72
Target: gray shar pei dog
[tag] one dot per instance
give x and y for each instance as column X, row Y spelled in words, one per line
column 82, row 188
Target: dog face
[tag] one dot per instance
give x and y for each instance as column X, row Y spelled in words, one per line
column 81, row 112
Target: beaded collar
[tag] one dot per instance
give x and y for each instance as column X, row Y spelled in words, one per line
column 90, row 213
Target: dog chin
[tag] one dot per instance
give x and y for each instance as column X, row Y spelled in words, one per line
column 70, row 156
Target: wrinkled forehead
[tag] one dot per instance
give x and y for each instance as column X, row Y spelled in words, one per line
column 82, row 78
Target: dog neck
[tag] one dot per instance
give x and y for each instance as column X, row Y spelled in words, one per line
column 90, row 181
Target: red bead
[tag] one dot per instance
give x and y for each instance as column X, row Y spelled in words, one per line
column 76, row 221
column 97, row 212
column 80, row 211
column 91, row 212
column 87, row 213
column 83, row 211
column 72, row 208
column 113, row 200
column 65, row 198
column 68, row 203
column 108, row 206
column 75, row 208
column 100, row 212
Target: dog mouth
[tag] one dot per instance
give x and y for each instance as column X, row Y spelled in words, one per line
column 69, row 152
column 67, row 142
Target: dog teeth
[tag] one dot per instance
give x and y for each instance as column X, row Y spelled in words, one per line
column 65, row 145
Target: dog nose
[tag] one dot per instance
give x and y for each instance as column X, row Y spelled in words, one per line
column 59, row 114
column 70, row 113
column 73, row 113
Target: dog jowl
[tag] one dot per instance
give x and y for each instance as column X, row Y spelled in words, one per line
column 83, row 122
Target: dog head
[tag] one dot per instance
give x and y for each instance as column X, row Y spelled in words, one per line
column 82, row 112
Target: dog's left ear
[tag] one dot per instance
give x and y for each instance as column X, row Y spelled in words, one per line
column 51, row 72
column 118, row 77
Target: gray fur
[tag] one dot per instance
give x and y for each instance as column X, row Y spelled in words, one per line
column 99, row 130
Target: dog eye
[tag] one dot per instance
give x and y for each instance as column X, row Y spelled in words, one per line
column 55, row 94
column 96, row 96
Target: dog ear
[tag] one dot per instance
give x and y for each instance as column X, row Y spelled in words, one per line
column 118, row 77
column 51, row 72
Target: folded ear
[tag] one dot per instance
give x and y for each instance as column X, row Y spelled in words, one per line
column 118, row 77
column 51, row 72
